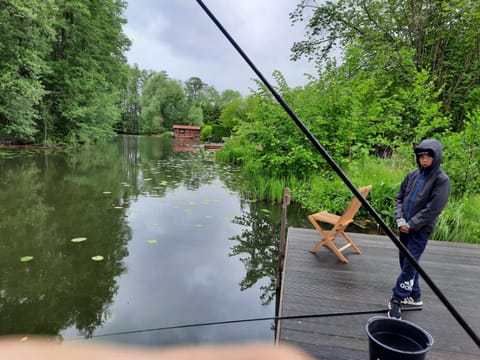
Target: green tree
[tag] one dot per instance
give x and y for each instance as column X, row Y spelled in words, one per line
column 440, row 37
column 270, row 142
column 195, row 116
column 228, row 96
column 462, row 157
column 163, row 104
column 193, row 90
column 233, row 113
column 88, row 70
column 368, row 110
column 26, row 29
column 131, row 108
column 211, row 105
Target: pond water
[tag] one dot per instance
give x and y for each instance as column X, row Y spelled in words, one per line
column 177, row 244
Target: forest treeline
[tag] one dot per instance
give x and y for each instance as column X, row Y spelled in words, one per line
column 389, row 74
column 64, row 77
column 62, row 69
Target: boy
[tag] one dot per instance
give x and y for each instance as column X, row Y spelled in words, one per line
column 419, row 201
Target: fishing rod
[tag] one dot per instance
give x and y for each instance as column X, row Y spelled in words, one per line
column 345, row 179
column 276, row 318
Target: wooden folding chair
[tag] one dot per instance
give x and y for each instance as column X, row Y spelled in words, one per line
column 339, row 225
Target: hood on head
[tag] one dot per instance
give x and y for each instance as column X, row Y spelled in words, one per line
column 430, row 146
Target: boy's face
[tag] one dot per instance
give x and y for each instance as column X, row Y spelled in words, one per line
column 425, row 160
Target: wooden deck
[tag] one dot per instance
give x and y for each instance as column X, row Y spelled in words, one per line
column 320, row 284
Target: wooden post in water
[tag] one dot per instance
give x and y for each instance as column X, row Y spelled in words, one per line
column 286, row 202
column 281, row 247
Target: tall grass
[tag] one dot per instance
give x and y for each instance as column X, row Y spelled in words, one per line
column 270, row 189
column 460, row 221
column 230, row 154
column 386, row 176
column 327, row 192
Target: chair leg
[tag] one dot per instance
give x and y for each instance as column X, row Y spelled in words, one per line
column 328, row 238
column 332, row 247
column 322, row 233
column 350, row 241
column 318, row 245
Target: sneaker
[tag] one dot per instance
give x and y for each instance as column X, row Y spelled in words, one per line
column 394, row 309
column 412, row 301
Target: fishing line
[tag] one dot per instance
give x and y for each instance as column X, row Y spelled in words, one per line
column 291, row 317
column 345, row 179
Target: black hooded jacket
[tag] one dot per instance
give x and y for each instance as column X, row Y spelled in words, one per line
column 431, row 196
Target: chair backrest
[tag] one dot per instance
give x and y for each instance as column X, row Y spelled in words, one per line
column 355, row 204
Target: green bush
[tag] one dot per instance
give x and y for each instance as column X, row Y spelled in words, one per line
column 219, row 132
column 206, row 133
column 462, row 157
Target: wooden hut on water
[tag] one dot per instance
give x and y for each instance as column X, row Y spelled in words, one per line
column 186, row 131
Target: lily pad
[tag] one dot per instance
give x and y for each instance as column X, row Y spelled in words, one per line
column 78, row 239
column 152, row 241
column 265, row 210
column 26, row 258
column 97, row 258
column 107, row 192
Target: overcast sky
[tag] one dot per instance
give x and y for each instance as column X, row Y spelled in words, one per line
column 178, row 37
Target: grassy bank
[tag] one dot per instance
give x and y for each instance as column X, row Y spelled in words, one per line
column 459, row 222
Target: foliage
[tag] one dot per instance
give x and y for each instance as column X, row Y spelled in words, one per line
column 462, row 157
column 195, row 116
column 326, row 191
column 62, row 69
column 232, row 152
column 206, row 133
column 163, row 104
column 64, row 78
column 232, row 114
column 26, row 29
column 152, row 102
column 440, row 37
column 204, row 99
column 88, row 70
column 131, row 108
column 459, row 221
column 272, row 144
column 228, row 96
column 219, row 133
column 399, row 78
column 272, row 189
column 369, row 110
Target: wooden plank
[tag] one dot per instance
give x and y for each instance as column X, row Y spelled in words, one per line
column 321, row 284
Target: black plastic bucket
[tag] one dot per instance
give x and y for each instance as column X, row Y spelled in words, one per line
column 392, row 339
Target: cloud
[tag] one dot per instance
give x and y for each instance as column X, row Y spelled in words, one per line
column 178, row 37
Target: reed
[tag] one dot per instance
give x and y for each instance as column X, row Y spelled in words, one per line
column 460, row 221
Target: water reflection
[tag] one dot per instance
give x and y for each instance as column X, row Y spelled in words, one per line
column 180, row 246
column 47, row 200
column 259, row 240
column 186, row 145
